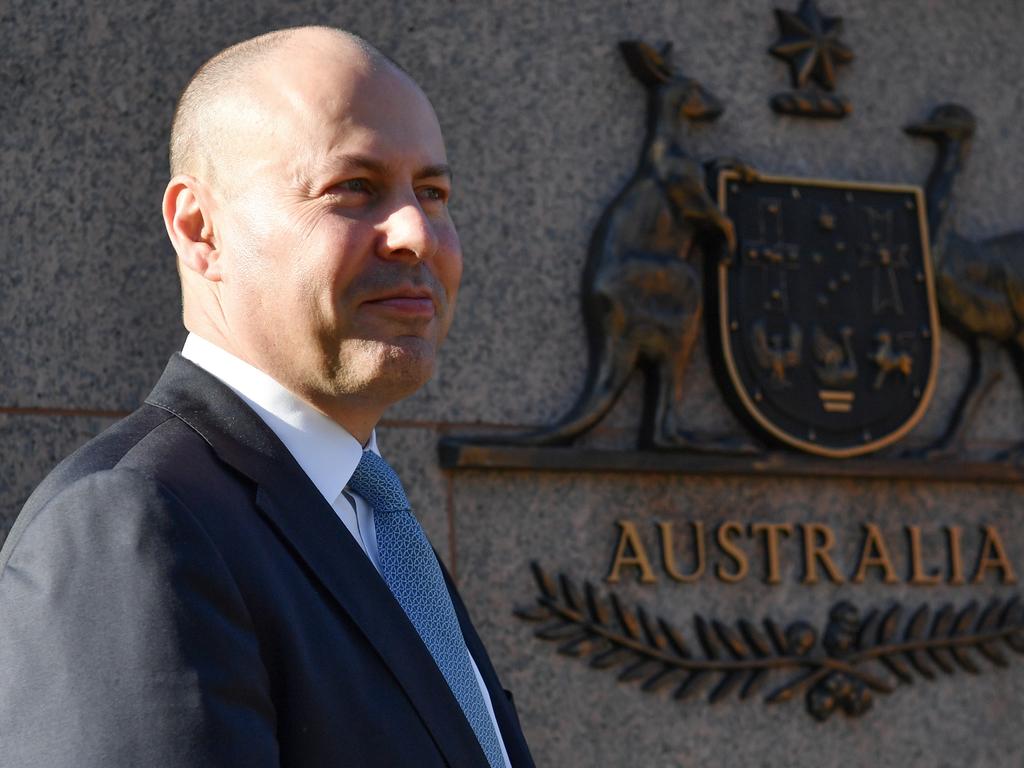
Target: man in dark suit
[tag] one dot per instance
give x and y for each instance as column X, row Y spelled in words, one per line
column 231, row 576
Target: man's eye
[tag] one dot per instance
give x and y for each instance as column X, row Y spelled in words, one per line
column 354, row 185
column 434, row 193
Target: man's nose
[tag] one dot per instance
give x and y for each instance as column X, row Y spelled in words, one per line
column 408, row 234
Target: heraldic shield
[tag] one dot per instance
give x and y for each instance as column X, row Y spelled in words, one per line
column 826, row 311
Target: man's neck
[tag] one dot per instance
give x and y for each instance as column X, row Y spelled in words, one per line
column 359, row 422
column 356, row 415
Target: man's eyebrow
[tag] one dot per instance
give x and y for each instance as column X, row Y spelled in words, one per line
column 432, row 171
column 376, row 166
column 363, row 162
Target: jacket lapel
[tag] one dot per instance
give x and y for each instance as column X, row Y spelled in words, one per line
column 294, row 507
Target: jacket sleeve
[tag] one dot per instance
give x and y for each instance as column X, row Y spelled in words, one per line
column 124, row 639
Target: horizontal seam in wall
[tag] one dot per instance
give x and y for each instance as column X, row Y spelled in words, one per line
column 43, row 410
column 443, row 426
column 49, row 411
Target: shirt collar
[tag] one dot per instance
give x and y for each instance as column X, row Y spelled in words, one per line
column 325, row 450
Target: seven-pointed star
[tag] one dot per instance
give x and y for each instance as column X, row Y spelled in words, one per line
column 810, row 43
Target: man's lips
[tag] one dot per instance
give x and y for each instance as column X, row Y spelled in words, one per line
column 410, row 303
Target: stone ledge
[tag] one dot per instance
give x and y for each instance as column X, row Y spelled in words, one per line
column 459, row 455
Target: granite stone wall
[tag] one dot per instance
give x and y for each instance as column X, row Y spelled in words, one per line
column 543, row 123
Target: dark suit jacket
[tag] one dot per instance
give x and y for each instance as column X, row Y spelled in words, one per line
column 178, row 593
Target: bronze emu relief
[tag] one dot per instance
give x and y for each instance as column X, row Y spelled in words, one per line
column 979, row 283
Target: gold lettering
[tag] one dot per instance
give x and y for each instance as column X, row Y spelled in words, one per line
column 993, row 555
column 874, row 554
column 917, row 572
column 956, row 559
column 818, row 540
column 668, row 553
column 771, row 533
column 726, row 532
column 630, row 552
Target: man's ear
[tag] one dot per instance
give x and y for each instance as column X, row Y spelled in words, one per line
column 188, row 208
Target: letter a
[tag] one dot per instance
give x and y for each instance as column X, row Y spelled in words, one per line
column 630, row 552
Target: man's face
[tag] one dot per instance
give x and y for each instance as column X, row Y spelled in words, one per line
column 341, row 262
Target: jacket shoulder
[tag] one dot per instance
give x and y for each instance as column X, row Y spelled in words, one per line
column 114, row 582
column 119, row 469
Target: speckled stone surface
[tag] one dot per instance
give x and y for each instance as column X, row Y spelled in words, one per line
column 543, row 123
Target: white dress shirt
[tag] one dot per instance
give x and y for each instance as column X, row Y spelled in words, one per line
column 324, row 450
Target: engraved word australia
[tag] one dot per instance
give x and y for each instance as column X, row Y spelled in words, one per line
column 731, row 552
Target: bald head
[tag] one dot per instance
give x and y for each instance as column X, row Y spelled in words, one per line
column 203, row 127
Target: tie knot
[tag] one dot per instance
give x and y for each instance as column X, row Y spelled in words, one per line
column 377, row 482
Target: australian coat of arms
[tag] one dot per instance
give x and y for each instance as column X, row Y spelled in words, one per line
column 821, row 300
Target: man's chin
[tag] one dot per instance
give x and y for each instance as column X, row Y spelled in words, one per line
column 397, row 368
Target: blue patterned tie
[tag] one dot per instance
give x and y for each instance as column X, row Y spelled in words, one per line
column 411, row 570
